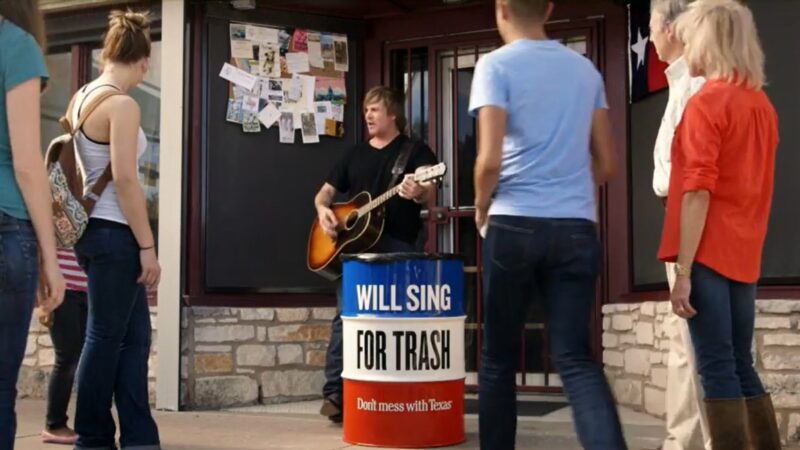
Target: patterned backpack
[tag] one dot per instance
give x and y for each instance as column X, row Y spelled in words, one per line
column 72, row 203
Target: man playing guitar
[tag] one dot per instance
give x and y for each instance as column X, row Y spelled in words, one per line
column 368, row 167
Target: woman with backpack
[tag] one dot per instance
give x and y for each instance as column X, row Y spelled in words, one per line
column 117, row 249
column 25, row 214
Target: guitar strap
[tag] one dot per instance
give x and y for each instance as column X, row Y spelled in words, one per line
column 400, row 163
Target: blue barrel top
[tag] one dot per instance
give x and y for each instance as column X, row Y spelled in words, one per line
column 403, row 285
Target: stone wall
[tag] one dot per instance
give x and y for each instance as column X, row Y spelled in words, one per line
column 241, row 356
column 636, row 347
column 40, row 357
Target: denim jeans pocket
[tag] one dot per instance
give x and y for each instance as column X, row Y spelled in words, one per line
column 582, row 250
column 506, row 246
column 18, row 260
column 94, row 242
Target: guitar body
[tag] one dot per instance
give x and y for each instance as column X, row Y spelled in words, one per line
column 356, row 235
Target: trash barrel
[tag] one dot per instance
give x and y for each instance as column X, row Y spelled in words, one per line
column 403, row 358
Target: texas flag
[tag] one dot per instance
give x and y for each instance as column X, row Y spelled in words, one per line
column 646, row 70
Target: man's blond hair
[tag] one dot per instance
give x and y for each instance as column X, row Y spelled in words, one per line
column 393, row 100
column 721, row 41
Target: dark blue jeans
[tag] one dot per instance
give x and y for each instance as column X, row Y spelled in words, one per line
column 114, row 359
column 722, row 334
column 332, row 389
column 559, row 259
column 19, row 272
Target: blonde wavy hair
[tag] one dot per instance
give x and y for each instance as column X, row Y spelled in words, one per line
column 721, row 41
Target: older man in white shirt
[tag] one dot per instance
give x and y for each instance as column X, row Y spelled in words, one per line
column 686, row 425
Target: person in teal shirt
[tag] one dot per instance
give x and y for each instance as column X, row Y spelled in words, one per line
column 26, row 224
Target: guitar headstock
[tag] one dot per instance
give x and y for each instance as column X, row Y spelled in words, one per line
column 432, row 174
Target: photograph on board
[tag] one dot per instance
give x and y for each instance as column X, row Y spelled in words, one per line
column 286, row 125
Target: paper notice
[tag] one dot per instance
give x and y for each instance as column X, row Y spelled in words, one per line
column 307, row 83
column 300, row 40
column 286, row 124
column 269, row 115
column 326, row 41
column 263, row 88
column 250, row 123
column 238, row 31
column 234, row 113
column 261, row 34
column 241, row 49
column 295, row 88
column 330, row 89
column 297, row 62
column 315, row 51
column 341, row 60
column 322, row 111
column 250, row 104
column 337, row 112
column 310, row 134
column 269, row 60
column 238, row 76
column 334, row 128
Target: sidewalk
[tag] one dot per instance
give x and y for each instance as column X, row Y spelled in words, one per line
column 298, row 427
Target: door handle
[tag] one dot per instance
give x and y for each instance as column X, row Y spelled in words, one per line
column 441, row 214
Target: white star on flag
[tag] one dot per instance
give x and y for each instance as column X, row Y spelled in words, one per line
column 640, row 48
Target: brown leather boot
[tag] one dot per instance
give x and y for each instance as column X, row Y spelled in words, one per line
column 727, row 424
column 764, row 434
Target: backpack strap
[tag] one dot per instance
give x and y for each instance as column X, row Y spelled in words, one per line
column 91, row 197
column 92, row 106
column 66, row 121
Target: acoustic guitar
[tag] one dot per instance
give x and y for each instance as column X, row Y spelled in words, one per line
column 360, row 225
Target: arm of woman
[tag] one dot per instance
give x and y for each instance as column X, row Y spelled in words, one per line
column 701, row 143
column 124, row 118
column 22, row 104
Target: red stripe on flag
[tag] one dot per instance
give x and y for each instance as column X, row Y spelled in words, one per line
column 656, row 78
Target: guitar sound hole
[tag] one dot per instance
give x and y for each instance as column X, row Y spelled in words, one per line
column 351, row 220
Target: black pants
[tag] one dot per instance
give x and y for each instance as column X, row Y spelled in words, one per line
column 67, row 333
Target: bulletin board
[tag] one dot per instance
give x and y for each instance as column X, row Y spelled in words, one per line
column 259, row 188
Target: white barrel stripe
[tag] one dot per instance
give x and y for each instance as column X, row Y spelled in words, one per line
column 371, row 347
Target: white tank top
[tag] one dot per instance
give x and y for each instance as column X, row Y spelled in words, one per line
column 94, row 157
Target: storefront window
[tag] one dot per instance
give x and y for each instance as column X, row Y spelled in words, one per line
column 55, row 98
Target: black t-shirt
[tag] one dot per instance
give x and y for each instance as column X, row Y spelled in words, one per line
column 366, row 168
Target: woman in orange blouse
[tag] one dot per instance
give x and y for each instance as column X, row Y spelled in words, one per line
column 723, row 163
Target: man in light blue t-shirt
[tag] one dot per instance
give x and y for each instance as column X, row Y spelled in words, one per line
column 545, row 142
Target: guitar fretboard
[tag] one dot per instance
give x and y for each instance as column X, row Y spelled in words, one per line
column 378, row 201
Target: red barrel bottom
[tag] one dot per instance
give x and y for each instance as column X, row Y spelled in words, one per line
column 407, row 415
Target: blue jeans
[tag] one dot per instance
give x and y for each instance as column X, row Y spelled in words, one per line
column 560, row 260
column 115, row 355
column 332, row 389
column 722, row 335
column 19, row 272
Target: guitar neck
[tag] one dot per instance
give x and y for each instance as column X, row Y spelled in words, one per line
column 378, row 201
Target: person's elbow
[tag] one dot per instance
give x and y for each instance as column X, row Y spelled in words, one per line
column 606, row 171
column 699, row 194
column 124, row 182
column 26, row 169
column 611, row 170
column 487, row 167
